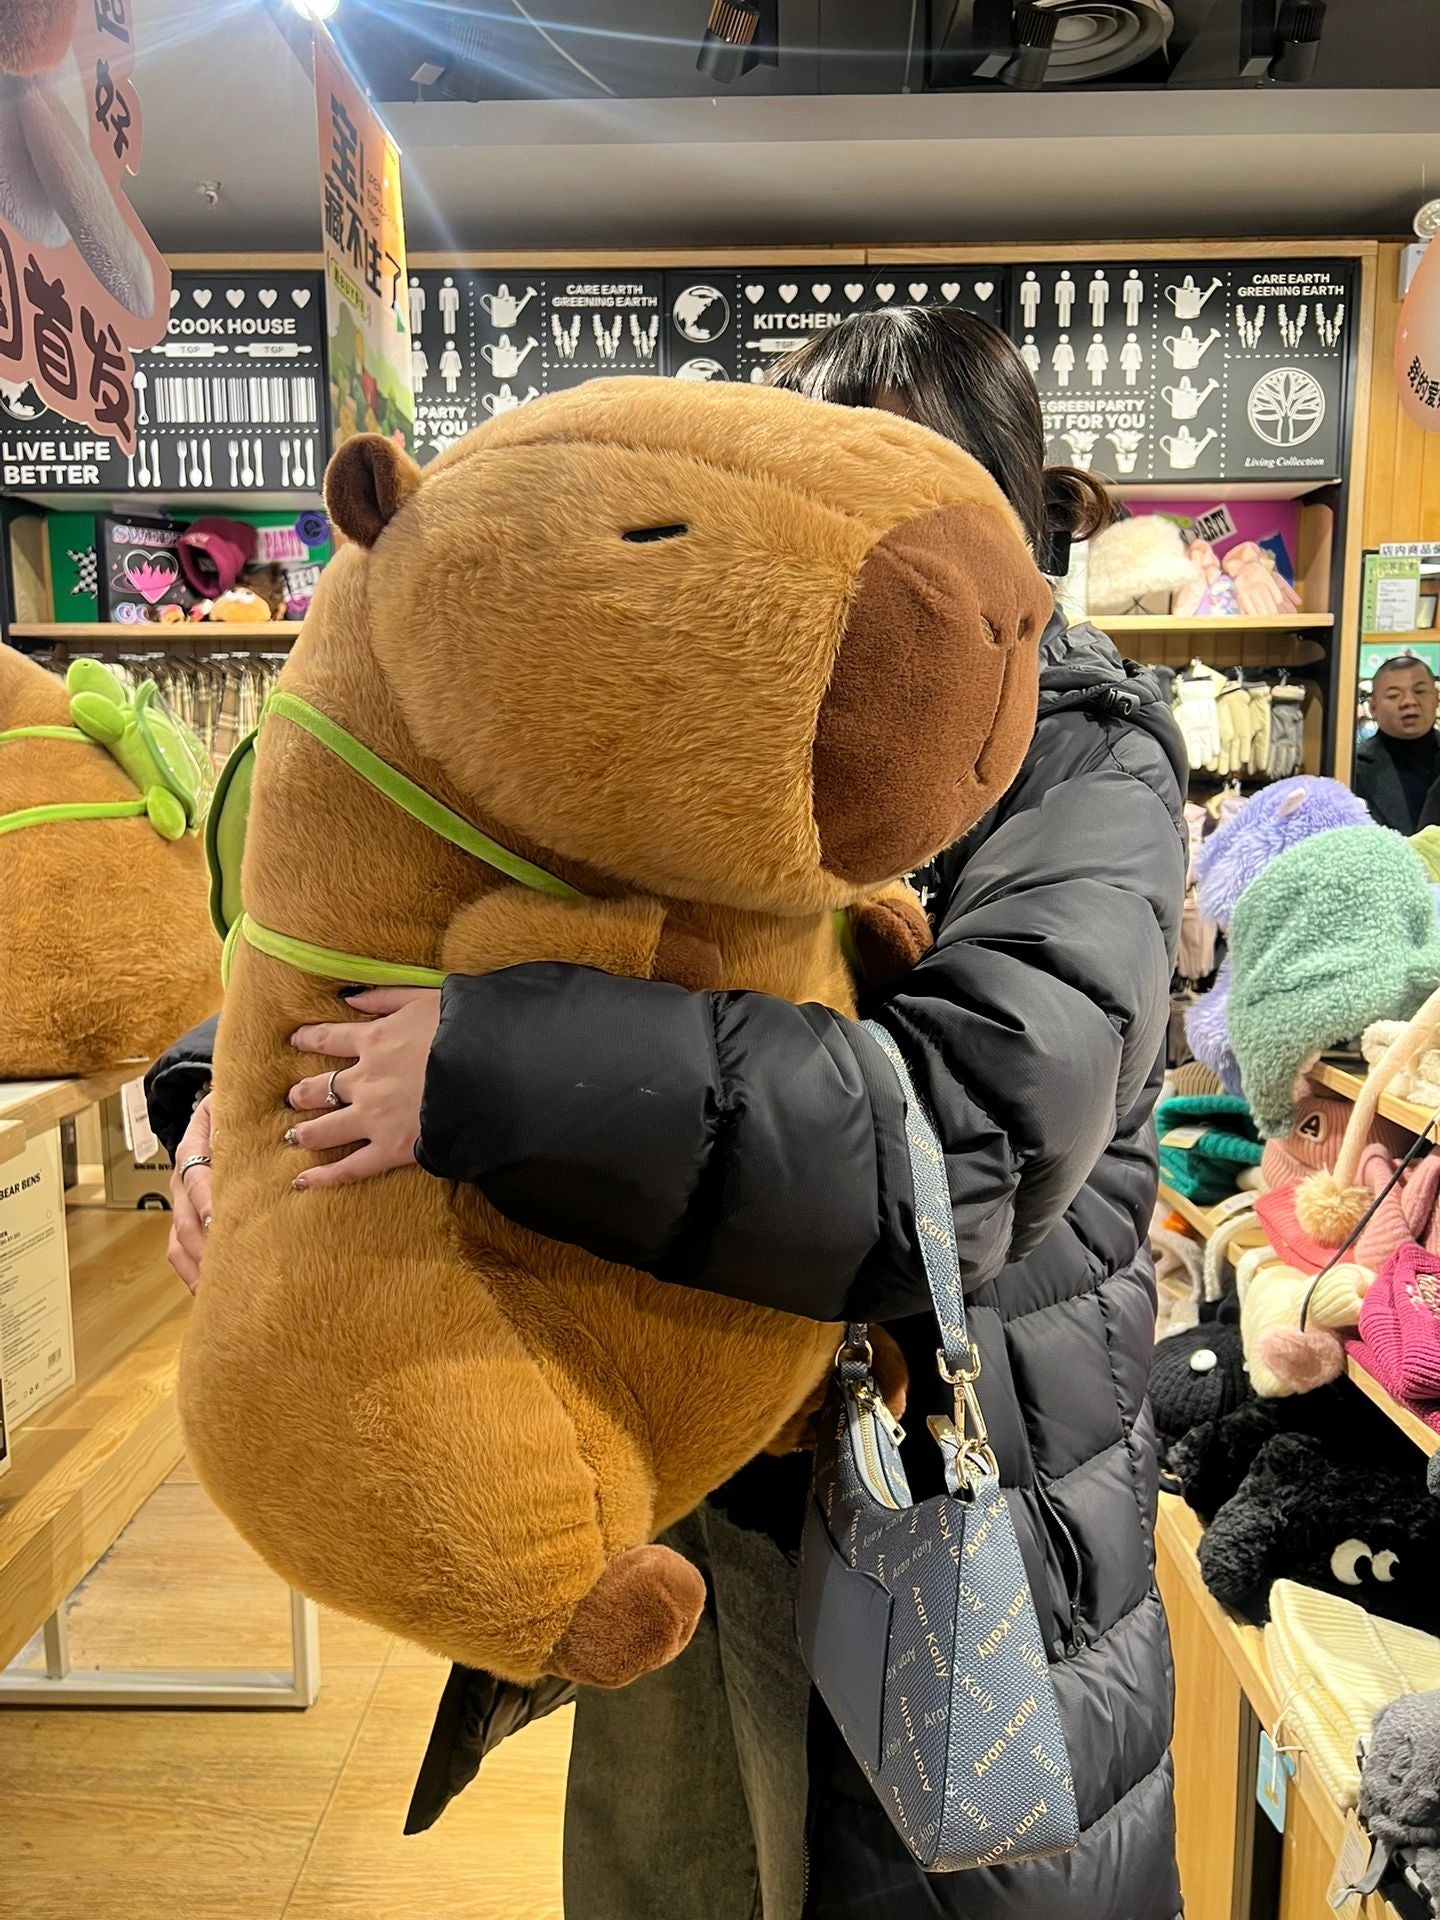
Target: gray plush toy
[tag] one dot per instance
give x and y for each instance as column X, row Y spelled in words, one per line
column 1400, row 1784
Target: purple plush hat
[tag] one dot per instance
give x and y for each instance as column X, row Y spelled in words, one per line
column 1207, row 1033
column 1269, row 823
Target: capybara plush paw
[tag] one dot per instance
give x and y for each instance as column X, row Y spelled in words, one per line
column 638, row 1615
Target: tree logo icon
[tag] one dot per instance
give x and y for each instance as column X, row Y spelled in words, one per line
column 1286, row 406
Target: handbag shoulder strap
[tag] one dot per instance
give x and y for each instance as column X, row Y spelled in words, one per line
column 934, row 1218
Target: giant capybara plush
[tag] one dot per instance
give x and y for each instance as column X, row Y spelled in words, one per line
column 725, row 661
column 106, row 949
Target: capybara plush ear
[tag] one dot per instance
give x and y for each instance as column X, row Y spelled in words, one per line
column 366, row 484
column 34, row 34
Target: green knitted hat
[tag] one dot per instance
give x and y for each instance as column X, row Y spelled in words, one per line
column 1336, row 932
column 1224, row 1144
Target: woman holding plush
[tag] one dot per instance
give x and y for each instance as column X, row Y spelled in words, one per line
column 1034, row 1030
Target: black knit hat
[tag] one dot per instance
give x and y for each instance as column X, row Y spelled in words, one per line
column 1197, row 1374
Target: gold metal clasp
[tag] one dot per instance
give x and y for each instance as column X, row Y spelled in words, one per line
column 964, row 1375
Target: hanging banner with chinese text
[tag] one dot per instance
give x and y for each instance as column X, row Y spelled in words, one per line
column 81, row 285
column 364, row 244
column 1417, row 344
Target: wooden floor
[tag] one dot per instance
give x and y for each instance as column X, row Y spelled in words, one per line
column 256, row 1816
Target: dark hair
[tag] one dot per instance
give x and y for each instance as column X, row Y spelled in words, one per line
column 1400, row 663
column 963, row 379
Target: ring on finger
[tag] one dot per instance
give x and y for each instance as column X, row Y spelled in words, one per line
column 193, row 1160
column 332, row 1098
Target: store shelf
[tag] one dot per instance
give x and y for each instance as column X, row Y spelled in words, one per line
column 149, row 634
column 1426, row 1438
column 86, row 1463
column 1209, row 623
column 1206, row 1219
column 1405, row 1113
column 1177, row 1536
column 28, row 1107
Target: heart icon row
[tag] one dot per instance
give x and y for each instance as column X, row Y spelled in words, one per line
column 885, row 290
column 235, row 296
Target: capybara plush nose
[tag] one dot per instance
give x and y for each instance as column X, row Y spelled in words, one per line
column 931, row 703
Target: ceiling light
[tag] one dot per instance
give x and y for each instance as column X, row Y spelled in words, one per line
column 315, row 9
column 740, row 35
column 1281, row 44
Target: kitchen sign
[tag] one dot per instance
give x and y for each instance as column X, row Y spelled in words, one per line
column 81, row 285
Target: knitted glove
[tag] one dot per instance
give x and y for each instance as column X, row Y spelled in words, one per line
column 1259, row 729
column 1287, row 732
column 1199, row 723
column 1196, row 958
column 1232, row 712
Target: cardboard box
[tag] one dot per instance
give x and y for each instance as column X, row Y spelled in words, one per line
column 37, row 1341
column 137, row 1172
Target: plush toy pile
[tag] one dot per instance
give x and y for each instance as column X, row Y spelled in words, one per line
column 665, row 643
column 106, row 951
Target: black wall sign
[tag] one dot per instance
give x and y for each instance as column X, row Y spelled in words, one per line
column 1172, row 372
column 229, row 402
column 484, row 343
column 734, row 326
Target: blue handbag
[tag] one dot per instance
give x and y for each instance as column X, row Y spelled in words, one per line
column 916, row 1621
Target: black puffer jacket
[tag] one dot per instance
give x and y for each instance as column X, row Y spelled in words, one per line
column 756, row 1148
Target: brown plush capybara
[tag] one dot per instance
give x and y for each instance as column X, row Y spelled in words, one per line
column 727, row 661
column 106, row 948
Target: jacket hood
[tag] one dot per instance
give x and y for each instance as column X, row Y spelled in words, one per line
column 1081, row 667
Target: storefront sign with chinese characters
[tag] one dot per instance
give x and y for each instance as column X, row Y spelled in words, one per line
column 366, row 297
column 1417, row 344
column 81, row 286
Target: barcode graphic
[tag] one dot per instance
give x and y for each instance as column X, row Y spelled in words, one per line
column 57, row 1354
column 235, row 400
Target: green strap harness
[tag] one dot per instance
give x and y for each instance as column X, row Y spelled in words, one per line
column 329, row 963
column 152, row 747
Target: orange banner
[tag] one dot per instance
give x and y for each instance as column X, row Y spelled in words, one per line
column 364, row 242
column 81, row 285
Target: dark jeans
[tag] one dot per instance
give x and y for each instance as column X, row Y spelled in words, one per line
column 686, row 1797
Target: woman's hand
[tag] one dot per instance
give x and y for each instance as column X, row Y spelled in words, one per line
column 380, row 1094
column 190, row 1199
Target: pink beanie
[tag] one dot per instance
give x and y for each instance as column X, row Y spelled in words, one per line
column 1400, row 1325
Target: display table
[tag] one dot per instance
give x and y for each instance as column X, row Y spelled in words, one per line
column 1231, row 1867
column 85, row 1464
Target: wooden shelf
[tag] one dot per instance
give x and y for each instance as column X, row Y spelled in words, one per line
column 1209, row 623
column 28, row 1107
column 1206, row 1219
column 151, row 634
column 1177, row 1536
column 1426, row 1438
column 86, row 1463
column 1405, row 1113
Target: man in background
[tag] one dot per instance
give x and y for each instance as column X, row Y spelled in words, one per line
column 1399, row 764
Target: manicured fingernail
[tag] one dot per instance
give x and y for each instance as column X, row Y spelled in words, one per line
column 291, row 1136
column 348, row 993
column 298, row 1183
column 205, row 1223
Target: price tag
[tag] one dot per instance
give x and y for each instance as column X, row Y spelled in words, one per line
column 1237, row 1203
column 1184, row 1136
column 135, row 1118
column 1352, row 1863
column 1272, row 1781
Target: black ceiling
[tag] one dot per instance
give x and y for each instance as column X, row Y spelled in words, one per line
column 638, row 49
